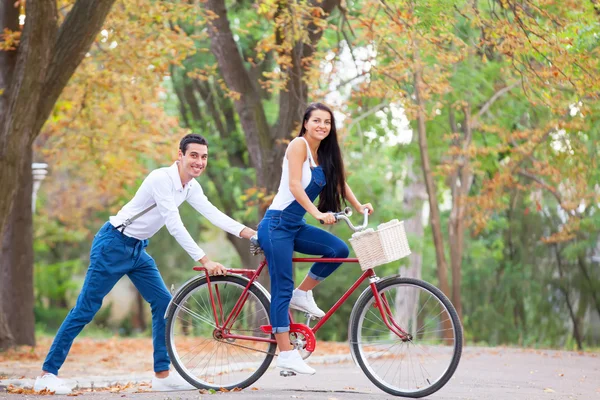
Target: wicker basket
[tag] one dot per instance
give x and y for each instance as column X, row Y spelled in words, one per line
column 387, row 244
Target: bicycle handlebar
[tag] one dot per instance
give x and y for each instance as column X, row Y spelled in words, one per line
column 347, row 212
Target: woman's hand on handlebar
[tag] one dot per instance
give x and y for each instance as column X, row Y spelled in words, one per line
column 326, row 218
column 362, row 207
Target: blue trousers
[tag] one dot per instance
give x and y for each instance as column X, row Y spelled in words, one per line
column 279, row 237
column 112, row 256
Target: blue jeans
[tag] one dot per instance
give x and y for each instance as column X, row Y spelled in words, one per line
column 112, row 256
column 280, row 235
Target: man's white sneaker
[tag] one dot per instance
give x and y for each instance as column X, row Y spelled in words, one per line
column 292, row 361
column 304, row 301
column 52, row 383
column 172, row 383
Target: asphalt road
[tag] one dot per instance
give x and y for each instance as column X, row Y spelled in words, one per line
column 483, row 373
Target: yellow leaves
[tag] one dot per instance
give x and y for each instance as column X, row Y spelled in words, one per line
column 9, row 40
column 17, row 390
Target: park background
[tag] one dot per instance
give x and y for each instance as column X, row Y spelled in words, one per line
column 475, row 122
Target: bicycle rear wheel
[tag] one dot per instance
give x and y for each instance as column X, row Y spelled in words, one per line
column 197, row 351
column 419, row 364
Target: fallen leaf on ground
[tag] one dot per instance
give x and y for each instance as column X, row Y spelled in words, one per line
column 17, row 390
column 548, row 390
column 254, row 388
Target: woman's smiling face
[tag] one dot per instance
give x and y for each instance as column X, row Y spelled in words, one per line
column 318, row 125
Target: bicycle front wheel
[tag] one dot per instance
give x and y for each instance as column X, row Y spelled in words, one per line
column 194, row 342
column 419, row 363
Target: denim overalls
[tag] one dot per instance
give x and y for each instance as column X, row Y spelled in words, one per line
column 280, row 233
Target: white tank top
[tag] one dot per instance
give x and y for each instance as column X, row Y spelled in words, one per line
column 284, row 196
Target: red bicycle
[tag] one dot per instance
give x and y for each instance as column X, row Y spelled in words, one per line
column 403, row 333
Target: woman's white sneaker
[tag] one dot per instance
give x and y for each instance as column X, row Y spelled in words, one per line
column 51, row 383
column 292, row 361
column 304, row 301
column 172, row 383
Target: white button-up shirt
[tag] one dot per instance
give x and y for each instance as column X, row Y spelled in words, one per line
column 163, row 188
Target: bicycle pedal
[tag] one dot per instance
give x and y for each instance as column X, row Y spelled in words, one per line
column 285, row 374
column 311, row 317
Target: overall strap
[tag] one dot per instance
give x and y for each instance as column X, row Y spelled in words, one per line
column 129, row 221
column 310, row 158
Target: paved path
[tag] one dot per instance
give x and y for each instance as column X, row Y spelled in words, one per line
column 484, row 373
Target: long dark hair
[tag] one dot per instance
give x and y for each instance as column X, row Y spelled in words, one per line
column 330, row 159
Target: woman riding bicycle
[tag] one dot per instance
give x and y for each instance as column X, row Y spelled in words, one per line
column 312, row 167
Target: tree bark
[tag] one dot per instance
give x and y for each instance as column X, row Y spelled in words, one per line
column 248, row 105
column 22, row 98
column 565, row 290
column 16, row 264
column 9, row 15
column 434, row 211
column 460, row 183
column 593, row 291
column 46, row 59
column 264, row 148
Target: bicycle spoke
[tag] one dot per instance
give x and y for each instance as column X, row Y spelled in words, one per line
column 198, row 348
column 418, row 363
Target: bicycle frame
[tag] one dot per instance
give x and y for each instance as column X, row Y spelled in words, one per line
column 380, row 301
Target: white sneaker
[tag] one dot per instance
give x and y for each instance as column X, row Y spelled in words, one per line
column 52, row 383
column 304, row 301
column 292, row 361
column 172, row 383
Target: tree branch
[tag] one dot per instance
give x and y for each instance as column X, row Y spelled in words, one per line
column 75, row 37
column 490, row 102
column 248, row 105
column 543, row 184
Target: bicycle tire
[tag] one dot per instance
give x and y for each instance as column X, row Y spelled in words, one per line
column 178, row 304
column 366, row 352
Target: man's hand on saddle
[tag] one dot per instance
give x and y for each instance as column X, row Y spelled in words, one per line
column 213, row 267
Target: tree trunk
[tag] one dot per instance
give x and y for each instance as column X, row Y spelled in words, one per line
column 460, row 183
column 248, row 105
column 593, row 291
column 16, row 263
column 9, row 15
column 264, row 147
column 22, row 98
column 565, row 290
column 414, row 196
column 434, row 211
column 46, row 59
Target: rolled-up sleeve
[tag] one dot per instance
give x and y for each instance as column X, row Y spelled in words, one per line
column 200, row 202
column 162, row 192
